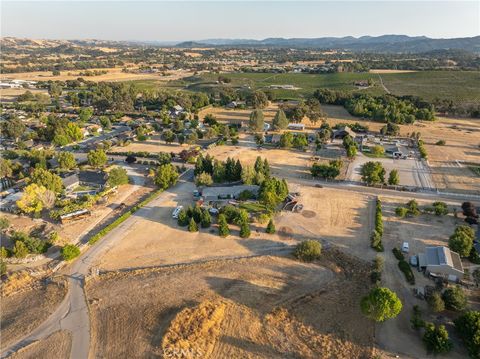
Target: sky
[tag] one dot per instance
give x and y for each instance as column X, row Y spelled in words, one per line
column 197, row 20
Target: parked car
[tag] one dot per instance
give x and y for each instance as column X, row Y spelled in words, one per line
column 405, row 247
column 176, row 212
column 414, row 261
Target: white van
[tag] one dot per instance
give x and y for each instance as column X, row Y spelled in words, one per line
column 405, row 247
column 176, row 212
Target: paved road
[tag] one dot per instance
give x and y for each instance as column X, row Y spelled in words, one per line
column 72, row 314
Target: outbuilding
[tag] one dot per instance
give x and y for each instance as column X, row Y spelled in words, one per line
column 442, row 261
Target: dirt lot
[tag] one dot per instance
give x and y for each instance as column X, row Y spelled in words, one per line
column 229, row 115
column 446, row 165
column 155, row 145
column 23, row 312
column 57, row 346
column 267, row 307
column 396, row 335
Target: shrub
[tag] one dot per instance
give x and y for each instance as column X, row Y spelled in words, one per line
column 455, row 299
column 412, row 207
column 244, row 229
column 441, row 143
column 4, row 223
column 407, row 271
column 436, row 302
column 3, row 267
column 206, row 219
column 270, row 227
column 416, row 320
column 440, row 208
column 183, row 218
column 381, row 304
column 69, row 252
column 308, row 250
column 398, row 254
column 401, row 212
column 436, row 339
column 468, row 328
column 461, row 241
column 376, row 241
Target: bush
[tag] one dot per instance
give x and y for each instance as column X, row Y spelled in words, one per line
column 398, row 254
column 441, row 143
column 461, row 241
column 401, row 212
column 223, row 229
column 416, row 320
column 308, row 251
column 3, row 267
column 376, row 241
column 183, row 218
column 468, row 328
column 244, row 229
column 436, row 302
column 206, row 219
column 192, row 226
column 407, row 271
column 440, row 208
column 412, row 207
column 69, row 252
column 436, row 339
column 455, row 299
column 4, row 223
column 270, row 227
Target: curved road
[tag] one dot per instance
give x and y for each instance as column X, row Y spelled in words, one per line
column 72, row 314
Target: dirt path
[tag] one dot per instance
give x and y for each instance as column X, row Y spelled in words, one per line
column 382, row 84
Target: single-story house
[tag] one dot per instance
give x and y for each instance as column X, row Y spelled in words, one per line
column 296, row 126
column 96, row 179
column 70, row 182
column 224, row 193
column 441, row 261
column 9, row 203
column 343, row 132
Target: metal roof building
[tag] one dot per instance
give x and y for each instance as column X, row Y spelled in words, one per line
column 442, row 261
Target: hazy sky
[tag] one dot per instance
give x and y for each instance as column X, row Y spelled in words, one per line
column 195, row 20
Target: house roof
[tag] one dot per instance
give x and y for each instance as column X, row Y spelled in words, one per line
column 93, row 177
column 70, row 179
column 215, row 192
column 437, row 256
column 344, row 129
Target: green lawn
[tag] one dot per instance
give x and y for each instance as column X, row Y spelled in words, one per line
column 253, row 207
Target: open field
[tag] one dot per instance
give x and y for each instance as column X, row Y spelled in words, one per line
column 113, row 75
column 25, row 310
column 57, row 346
column 11, row 94
column 154, row 145
column 236, row 115
column 266, row 307
column 388, row 71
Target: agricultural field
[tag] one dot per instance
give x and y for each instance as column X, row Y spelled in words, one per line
column 253, row 307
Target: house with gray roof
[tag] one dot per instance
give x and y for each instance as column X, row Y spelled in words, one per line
column 227, row 192
column 441, row 261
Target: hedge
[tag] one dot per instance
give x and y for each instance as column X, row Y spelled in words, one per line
column 123, row 217
column 376, row 237
column 407, row 270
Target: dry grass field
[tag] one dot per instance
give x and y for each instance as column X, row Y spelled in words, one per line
column 266, row 307
column 57, row 345
column 11, row 94
column 154, row 145
column 228, row 115
column 24, row 311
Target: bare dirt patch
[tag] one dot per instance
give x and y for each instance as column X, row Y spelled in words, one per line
column 57, row 346
column 266, row 307
column 23, row 312
column 154, row 145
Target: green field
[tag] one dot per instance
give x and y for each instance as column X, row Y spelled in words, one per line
column 461, row 86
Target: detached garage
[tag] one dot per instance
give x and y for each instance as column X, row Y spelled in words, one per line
column 441, row 261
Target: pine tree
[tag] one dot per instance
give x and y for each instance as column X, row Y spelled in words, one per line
column 244, row 229
column 183, row 218
column 266, row 168
column 238, row 171
column 280, row 121
column 206, row 219
column 259, row 165
column 223, row 229
column 270, row 227
column 192, row 226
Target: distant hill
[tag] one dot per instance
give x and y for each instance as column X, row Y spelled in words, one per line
column 384, row 43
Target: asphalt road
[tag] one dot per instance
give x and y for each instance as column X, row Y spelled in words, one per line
column 72, row 314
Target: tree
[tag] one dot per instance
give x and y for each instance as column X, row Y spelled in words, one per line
column 223, row 229
column 164, row 158
column 436, row 302
column 468, row 328
column 393, row 178
column 461, row 241
column 390, row 129
column 248, row 175
column 324, row 171
column 205, row 219
column 280, row 121
column 31, row 199
column 351, row 151
column 244, row 229
column 85, row 114
column 286, row 140
column 270, row 227
column 69, row 252
column 47, row 179
column 257, row 99
column 166, row 176
column 256, row 121
column 4, row 223
column 455, row 298
column 13, row 128
column 378, row 151
column 308, row 250
column 469, row 209
column 436, row 339
column 183, row 219
column 5, row 168
column 3, row 267
column 192, row 226
column 66, row 160
column 440, row 208
column 168, row 136
column 373, row 173
column 381, row 304
column 476, row 276
column 204, row 179
column 97, row 158
column 105, row 123
column 20, row 250
column 117, row 176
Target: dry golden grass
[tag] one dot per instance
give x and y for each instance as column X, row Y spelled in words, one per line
column 57, row 346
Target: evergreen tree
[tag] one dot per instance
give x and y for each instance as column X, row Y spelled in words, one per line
column 270, row 227
column 192, row 226
column 206, row 219
column 244, row 229
column 237, row 171
column 259, row 165
column 256, row 121
column 266, row 168
column 183, row 218
column 223, row 229
column 280, row 121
